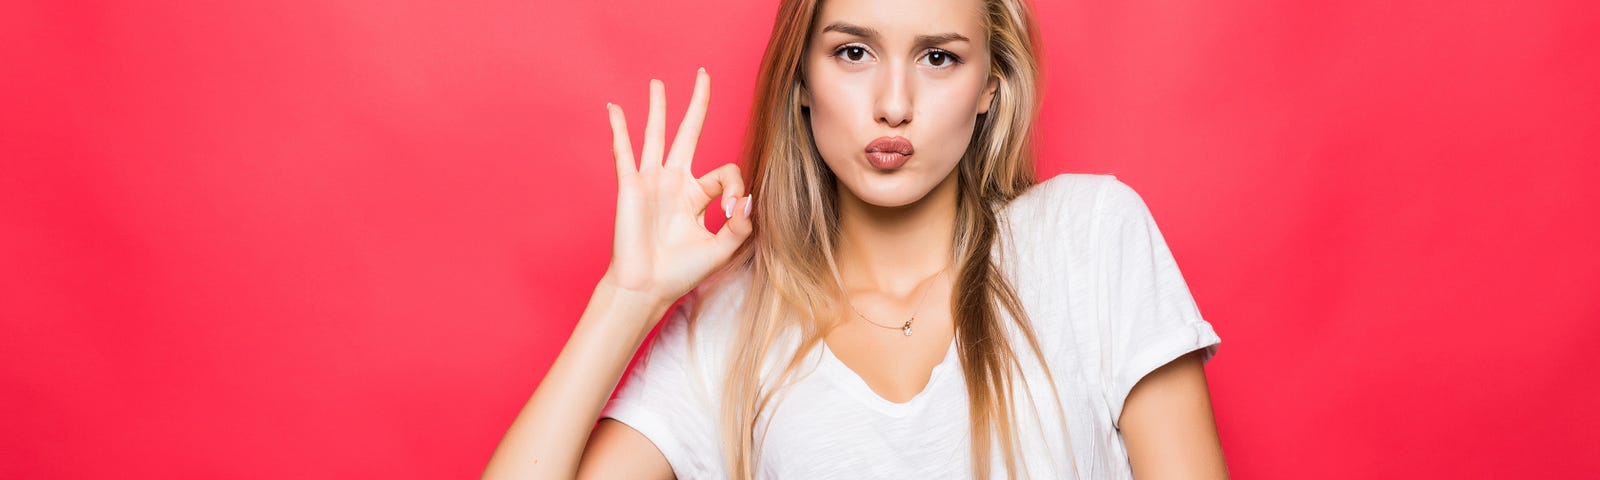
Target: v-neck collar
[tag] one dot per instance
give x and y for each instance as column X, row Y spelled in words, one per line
column 857, row 387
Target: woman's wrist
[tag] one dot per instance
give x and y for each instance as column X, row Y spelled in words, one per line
column 643, row 308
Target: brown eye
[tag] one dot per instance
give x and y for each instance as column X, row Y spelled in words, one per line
column 854, row 54
column 941, row 59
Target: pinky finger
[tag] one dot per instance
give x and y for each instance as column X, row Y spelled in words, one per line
column 621, row 146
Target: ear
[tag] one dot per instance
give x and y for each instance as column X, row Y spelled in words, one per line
column 988, row 94
column 805, row 95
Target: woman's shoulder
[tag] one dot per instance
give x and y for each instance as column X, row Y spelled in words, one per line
column 1068, row 204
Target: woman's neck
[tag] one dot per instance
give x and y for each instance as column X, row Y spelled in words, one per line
column 894, row 249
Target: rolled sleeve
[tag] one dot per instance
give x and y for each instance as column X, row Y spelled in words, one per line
column 1148, row 316
column 667, row 398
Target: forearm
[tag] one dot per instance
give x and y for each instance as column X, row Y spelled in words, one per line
column 547, row 438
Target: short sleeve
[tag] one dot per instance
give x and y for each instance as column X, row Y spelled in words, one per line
column 667, row 397
column 1148, row 316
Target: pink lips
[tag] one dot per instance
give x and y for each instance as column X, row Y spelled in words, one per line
column 888, row 153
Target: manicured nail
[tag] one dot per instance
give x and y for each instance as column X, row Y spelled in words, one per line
column 727, row 207
column 608, row 105
column 748, row 199
column 702, row 69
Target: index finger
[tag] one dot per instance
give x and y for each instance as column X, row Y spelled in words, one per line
column 689, row 131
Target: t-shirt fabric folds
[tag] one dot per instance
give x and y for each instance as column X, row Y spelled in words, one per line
column 1101, row 290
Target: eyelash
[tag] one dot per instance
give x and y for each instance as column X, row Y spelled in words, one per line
column 953, row 58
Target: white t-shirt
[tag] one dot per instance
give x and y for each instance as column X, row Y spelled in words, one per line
column 1106, row 300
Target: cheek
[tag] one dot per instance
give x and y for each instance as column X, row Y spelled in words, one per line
column 954, row 100
column 948, row 118
column 836, row 114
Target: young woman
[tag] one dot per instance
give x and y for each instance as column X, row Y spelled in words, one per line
column 894, row 296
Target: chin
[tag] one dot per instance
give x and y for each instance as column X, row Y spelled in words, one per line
column 891, row 200
column 896, row 190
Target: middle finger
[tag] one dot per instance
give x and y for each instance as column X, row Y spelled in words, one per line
column 655, row 127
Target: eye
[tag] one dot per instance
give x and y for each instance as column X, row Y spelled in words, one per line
column 942, row 59
column 938, row 59
column 851, row 53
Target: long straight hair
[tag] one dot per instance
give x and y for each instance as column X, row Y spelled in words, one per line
column 790, row 257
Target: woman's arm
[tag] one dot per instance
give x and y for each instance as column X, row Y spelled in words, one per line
column 660, row 251
column 1168, row 426
column 549, row 436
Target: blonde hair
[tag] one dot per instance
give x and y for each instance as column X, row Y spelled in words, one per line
column 792, row 286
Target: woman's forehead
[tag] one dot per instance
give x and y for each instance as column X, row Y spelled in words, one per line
column 898, row 19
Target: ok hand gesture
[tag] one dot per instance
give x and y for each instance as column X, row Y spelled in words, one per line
column 662, row 247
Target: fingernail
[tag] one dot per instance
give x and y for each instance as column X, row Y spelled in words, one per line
column 727, row 207
column 608, row 105
column 702, row 69
column 748, row 199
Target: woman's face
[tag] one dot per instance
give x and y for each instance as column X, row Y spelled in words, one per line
column 881, row 69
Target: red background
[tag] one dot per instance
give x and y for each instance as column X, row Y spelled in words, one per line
column 345, row 238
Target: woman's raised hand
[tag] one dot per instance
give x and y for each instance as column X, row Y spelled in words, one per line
column 662, row 248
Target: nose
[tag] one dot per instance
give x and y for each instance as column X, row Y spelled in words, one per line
column 893, row 106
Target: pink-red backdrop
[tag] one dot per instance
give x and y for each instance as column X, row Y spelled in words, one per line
column 344, row 239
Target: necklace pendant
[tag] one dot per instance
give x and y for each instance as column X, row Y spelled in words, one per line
column 906, row 328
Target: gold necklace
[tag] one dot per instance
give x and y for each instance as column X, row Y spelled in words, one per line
column 906, row 327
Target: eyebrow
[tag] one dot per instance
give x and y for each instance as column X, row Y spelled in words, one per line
column 868, row 33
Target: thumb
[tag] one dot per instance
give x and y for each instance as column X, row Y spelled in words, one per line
column 738, row 227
